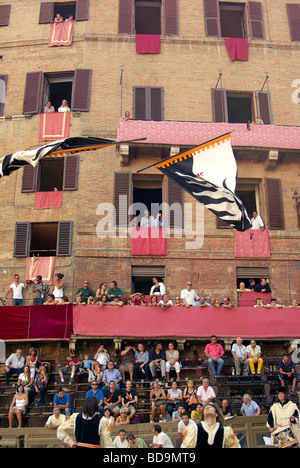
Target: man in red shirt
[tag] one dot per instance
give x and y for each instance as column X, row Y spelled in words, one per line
column 214, row 353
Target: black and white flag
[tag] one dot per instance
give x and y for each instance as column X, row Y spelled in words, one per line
column 209, row 172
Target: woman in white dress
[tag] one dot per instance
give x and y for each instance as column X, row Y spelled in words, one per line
column 106, row 423
column 58, row 287
column 18, row 406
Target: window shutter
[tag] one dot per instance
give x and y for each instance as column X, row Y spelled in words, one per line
column 156, row 104
column 46, row 13
column 28, row 180
column 81, row 90
column 64, row 239
column 125, row 16
column 122, row 187
column 219, row 105
column 148, row 103
column 21, row 244
column 263, row 106
column 4, row 15
column 139, row 103
column 256, row 20
column 293, row 12
column 82, row 10
column 71, row 172
column 175, row 194
column 274, row 203
column 32, row 93
column 212, row 18
column 3, row 84
column 171, row 17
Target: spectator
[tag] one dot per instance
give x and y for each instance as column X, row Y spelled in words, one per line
column 205, row 393
column 102, row 357
column 62, row 400
column 159, row 221
column 114, row 291
column 100, row 291
column 85, row 292
column 240, row 357
column 254, row 357
column 157, row 359
column 257, row 222
column 242, row 288
column 187, row 430
column 226, row 409
column 50, row 300
column 64, row 107
column 213, row 302
column 189, row 296
column 158, row 288
column 127, row 361
column 153, row 301
column 141, row 366
column 106, row 424
column 249, row 406
column 39, row 386
column 48, row 108
column 158, row 401
column 141, row 301
column 287, row 372
column 56, row 419
column 18, row 406
column 116, row 302
column 96, row 392
column 121, row 441
column 196, row 414
column 111, row 374
column 280, row 303
column 174, row 398
column 262, row 287
column 272, row 305
column 283, row 414
column 177, row 302
column 259, row 302
column 214, row 353
column 71, row 366
column 127, row 116
column 40, row 289
column 190, row 396
column 58, row 18
column 112, row 398
column 203, row 302
column 251, row 284
column 25, row 379
column 33, row 361
column 226, row 303
column 165, row 302
column 104, row 300
column 160, row 439
column 147, row 220
column 95, row 373
column 136, row 442
column 211, row 430
column 86, row 364
column 123, row 418
column 176, row 415
column 14, row 365
column 58, row 287
column 17, row 289
column 172, row 360
column 129, row 399
column 294, row 304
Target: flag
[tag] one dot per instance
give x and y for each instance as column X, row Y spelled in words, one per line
column 208, row 172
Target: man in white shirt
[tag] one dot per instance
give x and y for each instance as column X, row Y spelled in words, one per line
column 189, row 296
column 257, row 222
column 160, row 438
column 147, row 220
column 240, row 356
column 187, row 430
column 121, row 441
column 17, row 289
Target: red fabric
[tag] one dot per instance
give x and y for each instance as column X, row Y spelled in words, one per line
column 253, row 243
column 43, row 266
column 237, row 48
column 247, row 299
column 193, row 322
column 148, row 43
column 148, row 241
column 61, row 34
column 54, row 125
column 47, row 200
column 36, row 322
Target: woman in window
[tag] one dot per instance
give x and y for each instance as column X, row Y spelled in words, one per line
column 64, row 107
column 158, row 288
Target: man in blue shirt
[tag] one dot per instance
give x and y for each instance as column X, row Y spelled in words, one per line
column 287, row 372
column 249, row 407
column 111, row 374
column 63, row 401
column 97, row 393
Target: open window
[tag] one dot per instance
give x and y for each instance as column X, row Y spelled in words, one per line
column 51, row 175
column 232, row 19
column 240, row 107
column 65, row 9
column 43, row 239
column 147, row 17
column 58, row 87
column 244, row 274
column 148, row 191
column 78, row 9
column 249, row 194
column 141, row 277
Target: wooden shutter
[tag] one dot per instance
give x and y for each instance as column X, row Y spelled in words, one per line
column 175, row 194
column 126, row 16
column 156, row 104
column 28, row 180
column 81, row 90
column 32, row 93
column 71, row 172
column 46, row 13
column 3, row 78
column 212, row 18
column 139, row 103
column 171, row 17
column 148, row 103
column 256, row 20
column 64, row 239
column 263, row 106
column 122, row 187
column 4, row 15
column 82, row 10
column 274, row 203
column 293, row 13
column 219, row 105
column 21, row 244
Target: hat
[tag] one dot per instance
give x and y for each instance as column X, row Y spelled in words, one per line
column 281, row 390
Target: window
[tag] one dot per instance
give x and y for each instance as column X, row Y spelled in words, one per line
column 240, row 107
column 147, row 17
column 232, row 19
column 293, row 12
column 43, row 239
column 64, row 9
column 148, row 103
column 244, row 274
column 57, row 87
column 148, row 191
column 51, row 174
column 141, row 277
column 4, row 14
column 3, row 84
column 78, row 9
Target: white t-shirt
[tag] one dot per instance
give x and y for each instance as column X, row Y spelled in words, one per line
column 189, row 296
column 257, row 222
column 17, row 290
column 119, row 444
column 101, row 358
column 163, row 440
column 204, row 396
column 182, row 427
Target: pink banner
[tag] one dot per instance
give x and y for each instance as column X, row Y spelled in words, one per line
column 148, row 43
column 237, row 48
column 253, row 243
column 148, row 241
column 248, row 299
column 61, row 34
column 43, row 266
column 193, row 322
column 54, row 125
column 47, row 199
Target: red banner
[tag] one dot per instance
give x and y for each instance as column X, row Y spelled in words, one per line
column 54, row 125
column 147, row 43
column 248, row 299
column 253, row 243
column 148, row 241
column 61, row 34
column 47, row 199
column 43, row 266
column 237, row 48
